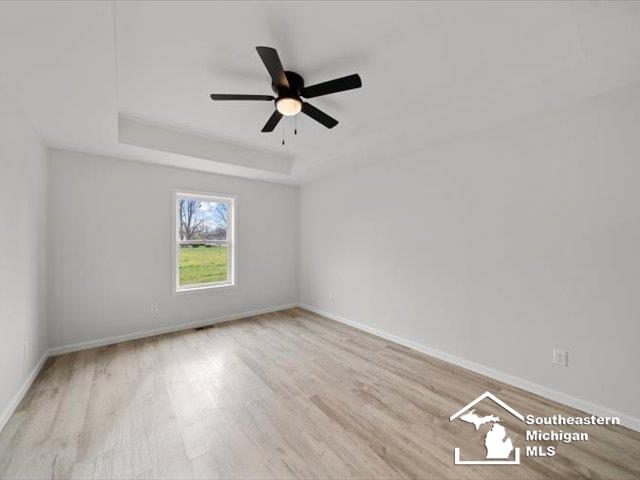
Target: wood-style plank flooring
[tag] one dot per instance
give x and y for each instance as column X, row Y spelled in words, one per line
column 281, row 395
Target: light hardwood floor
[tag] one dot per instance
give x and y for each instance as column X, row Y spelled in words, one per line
column 280, row 395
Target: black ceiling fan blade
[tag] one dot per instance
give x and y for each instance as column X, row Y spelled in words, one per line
column 272, row 122
column 274, row 66
column 233, row 96
column 319, row 115
column 332, row 86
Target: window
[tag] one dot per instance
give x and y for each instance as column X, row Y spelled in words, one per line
column 204, row 249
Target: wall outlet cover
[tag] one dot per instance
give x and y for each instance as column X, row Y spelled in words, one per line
column 561, row 357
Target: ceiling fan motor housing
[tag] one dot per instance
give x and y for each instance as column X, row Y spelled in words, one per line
column 296, row 84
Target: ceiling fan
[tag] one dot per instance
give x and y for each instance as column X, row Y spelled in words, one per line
column 289, row 88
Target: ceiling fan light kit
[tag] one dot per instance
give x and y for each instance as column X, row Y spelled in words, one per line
column 289, row 88
column 288, row 106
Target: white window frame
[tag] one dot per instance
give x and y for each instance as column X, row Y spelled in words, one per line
column 231, row 244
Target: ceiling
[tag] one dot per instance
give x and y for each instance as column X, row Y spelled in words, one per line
column 132, row 79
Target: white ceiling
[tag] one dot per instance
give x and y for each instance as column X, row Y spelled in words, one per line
column 431, row 71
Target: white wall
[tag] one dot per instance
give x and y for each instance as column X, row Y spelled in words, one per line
column 497, row 248
column 23, row 163
column 111, row 247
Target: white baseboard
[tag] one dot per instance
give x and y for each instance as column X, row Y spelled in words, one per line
column 577, row 403
column 17, row 398
column 158, row 331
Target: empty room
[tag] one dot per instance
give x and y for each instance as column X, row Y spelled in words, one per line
column 333, row 240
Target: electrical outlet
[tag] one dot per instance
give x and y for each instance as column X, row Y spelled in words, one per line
column 561, row 357
column 154, row 309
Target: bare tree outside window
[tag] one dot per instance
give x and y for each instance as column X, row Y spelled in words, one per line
column 203, row 220
column 190, row 224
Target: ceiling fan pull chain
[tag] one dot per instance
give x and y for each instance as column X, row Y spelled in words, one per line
column 295, row 127
column 283, row 132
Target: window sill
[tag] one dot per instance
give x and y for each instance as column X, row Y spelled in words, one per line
column 202, row 288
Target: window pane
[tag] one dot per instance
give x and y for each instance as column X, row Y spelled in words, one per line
column 203, row 240
column 202, row 220
column 202, row 264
